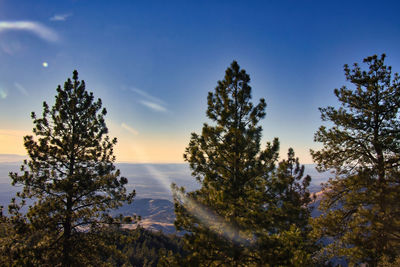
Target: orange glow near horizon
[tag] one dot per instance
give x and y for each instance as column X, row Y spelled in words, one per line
column 135, row 148
column 11, row 142
column 127, row 150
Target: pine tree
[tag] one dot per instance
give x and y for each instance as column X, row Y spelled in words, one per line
column 290, row 211
column 237, row 216
column 71, row 180
column 361, row 204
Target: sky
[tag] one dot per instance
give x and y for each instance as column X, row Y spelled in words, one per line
column 153, row 62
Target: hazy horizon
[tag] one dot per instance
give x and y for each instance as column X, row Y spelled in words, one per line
column 149, row 180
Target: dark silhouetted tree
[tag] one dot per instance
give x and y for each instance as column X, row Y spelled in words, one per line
column 361, row 204
column 71, row 180
column 247, row 212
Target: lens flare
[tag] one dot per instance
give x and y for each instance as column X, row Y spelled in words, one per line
column 212, row 221
column 206, row 216
column 3, row 94
column 45, row 64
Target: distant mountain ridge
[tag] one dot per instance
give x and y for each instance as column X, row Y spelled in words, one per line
column 151, row 181
column 12, row 158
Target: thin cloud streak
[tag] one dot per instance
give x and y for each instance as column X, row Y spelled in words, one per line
column 150, row 101
column 60, row 17
column 153, row 106
column 36, row 28
column 21, row 89
column 146, row 95
column 129, row 129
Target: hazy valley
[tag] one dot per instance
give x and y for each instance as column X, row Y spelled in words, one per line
column 153, row 201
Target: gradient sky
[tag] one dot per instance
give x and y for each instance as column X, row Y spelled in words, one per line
column 152, row 63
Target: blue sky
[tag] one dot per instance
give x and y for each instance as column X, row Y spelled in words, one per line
column 153, row 62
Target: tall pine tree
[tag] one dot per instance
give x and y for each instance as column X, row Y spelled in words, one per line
column 71, row 180
column 238, row 216
column 361, row 204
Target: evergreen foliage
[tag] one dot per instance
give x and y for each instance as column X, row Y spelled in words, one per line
column 72, row 182
column 361, row 204
column 140, row 247
column 248, row 211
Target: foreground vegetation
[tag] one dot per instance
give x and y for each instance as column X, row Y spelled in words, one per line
column 141, row 247
column 251, row 209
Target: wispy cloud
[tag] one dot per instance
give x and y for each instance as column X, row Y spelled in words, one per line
column 21, row 89
column 60, row 17
column 146, row 95
column 34, row 27
column 10, row 47
column 150, row 101
column 129, row 129
column 153, row 106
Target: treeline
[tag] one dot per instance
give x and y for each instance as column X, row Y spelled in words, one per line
column 140, row 247
column 252, row 209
